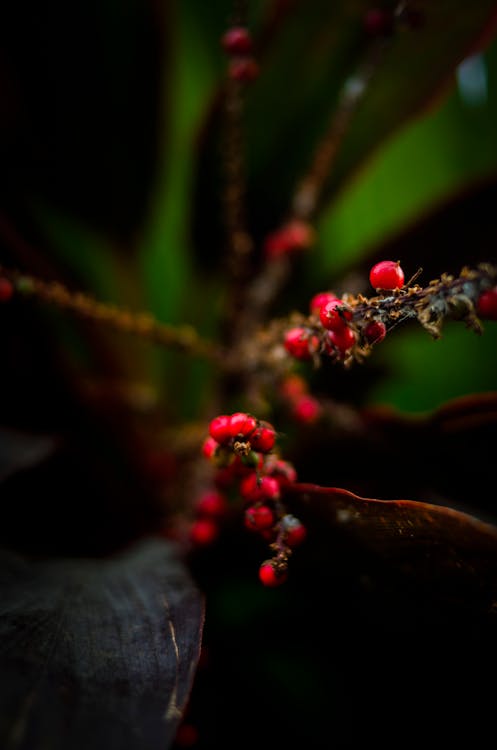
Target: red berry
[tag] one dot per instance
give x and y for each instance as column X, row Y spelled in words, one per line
column 320, row 300
column 340, row 340
column 332, row 317
column 300, row 343
column 212, row 504
column 295, row 531
column 282, row 471
column 203, row 532
column 269, row 576
column 242, row 424
column 375, row 331
column 237, row 41
column 306, row 410
column 220, row 429
column 209, row 447
column 259, row 517
column 257, row 489
column 263, row 438
column 378, row 22
column 387, row 274
column 486, row 307
column 243, row 69
column 295, row 235
column 6, row 289
column 293, row 387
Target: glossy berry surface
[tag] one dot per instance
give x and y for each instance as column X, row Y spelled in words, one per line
column 243, row 69
column 387, row 274
column 259, row 517
column 333, row 318
column 204, row 531
column 263, row 438
column 486, row 306
column 209, row 447
column 341, row 341
column 211, row 504
column 256, row 490
column 6, row 289
column 242, row 424
column 220, row 429
column 295, row 531
column 375, row 331
column 300, row 344
column 237, row 41
column 268, row 575
column 320, row 300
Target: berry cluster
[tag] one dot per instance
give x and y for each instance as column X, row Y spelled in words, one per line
column 241, row 449
column 237, row 43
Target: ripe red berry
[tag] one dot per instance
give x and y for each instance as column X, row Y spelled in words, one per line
column 6, row 289
column 220, row 429
column 340, row 340
column 320, row 300
column 243, row 69
column 293, row 236
column 242, row 424
column 332, row 317
column 209, row 447
column 283, row 471
column 387, row 274
column 263, row 438
column 270, row 576
column 307, row 410
column 295, row 531
column 259, row 517
column 203, row 531
column 300, row 343
column 237, row 41
column 257, row 489
column 486, row 307
column 375, row 331
column 211, row 504
column 378, row 22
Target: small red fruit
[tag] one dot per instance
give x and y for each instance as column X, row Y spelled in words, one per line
column 295, row 531
column 283, row 471
column 307, row 410
column 209, row 447
column 6, row 289
column 486, row 307
column 242, row 424
column 340, row 340
column 220, row 429
column 320, row 300
column 263, row 438
column 332, row 317
column 237, row 41
column 300, row 343
column 292, row 387
column 258, row 518
column 211, row 504
column 270, row 576
column 375, row 331
column 387, row 274
column 243, row 69
column 293, row 236
column 257, row 489
column 203, row 532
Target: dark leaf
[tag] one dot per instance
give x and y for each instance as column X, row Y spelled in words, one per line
column 96, row 653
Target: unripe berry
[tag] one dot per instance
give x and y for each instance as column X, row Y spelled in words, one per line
column 332, row 318
column 203, row 532
column 295, row 531
column 293, row 236
column 300, row 343
column 220, row 429
column 269, row 576
column 486, row 307
column 320, row 300
column 6, row 289
column 243, row 69
column 211, row 504
column 259, row 517
column 263, row 438
column 209, row 447
column 387, row 274
column 340, row 340
column 237, row 41
column 257, row 489
column 242, row 424
column 375, row 331
column 306, row 410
